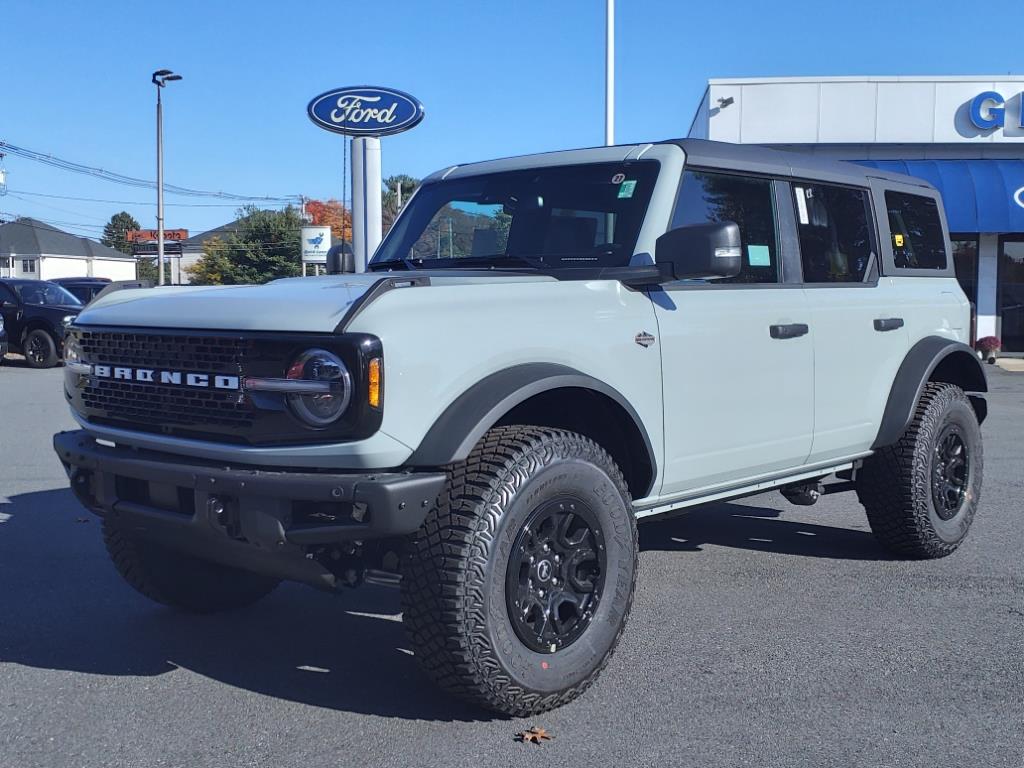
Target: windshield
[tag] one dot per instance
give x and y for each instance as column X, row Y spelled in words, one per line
column 46, row 293
column 548, row 218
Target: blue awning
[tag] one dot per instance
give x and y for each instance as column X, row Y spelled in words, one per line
column 979, row 195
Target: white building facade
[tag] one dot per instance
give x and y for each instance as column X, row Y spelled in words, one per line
column 965, row 135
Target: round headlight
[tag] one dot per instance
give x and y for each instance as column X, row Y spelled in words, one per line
column 330, row 388
column 72, row 350
column 67, row 320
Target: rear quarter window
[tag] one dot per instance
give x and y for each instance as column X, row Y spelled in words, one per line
column 916, row 228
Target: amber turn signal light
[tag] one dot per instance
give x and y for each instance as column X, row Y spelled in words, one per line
column 374, row 382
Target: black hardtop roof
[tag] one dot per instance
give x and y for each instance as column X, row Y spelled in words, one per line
column 777, row 162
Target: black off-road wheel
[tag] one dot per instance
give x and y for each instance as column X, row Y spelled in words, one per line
column 518, row 586
column 179, row 581
column 40, row 349
column 921, row 494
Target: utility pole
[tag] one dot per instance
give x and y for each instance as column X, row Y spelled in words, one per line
column 160, row 78
column 609, row 73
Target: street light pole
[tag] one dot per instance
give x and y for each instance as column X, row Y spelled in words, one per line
column 160, row 79
column 609, row 74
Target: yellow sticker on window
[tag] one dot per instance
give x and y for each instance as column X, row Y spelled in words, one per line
column 898, row 239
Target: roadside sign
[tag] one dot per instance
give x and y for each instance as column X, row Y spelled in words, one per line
column 365, row 110
column 316, row 241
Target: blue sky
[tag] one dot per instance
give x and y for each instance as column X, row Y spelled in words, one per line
column 496, row 78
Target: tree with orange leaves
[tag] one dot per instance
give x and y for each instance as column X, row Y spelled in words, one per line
column 331, row 213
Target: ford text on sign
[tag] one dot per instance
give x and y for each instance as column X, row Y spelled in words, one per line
column 365, row 111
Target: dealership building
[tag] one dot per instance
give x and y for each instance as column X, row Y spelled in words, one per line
column 964, row 135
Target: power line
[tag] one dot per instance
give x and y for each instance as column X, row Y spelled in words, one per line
column 129, row 202
column 131, row 181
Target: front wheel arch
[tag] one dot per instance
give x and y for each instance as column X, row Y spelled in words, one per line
column 546, row 395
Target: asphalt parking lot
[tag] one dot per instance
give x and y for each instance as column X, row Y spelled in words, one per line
column 762, row 634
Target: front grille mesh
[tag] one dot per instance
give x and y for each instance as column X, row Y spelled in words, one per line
column 168, row 405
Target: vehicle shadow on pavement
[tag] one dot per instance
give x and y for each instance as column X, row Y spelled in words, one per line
column 62, row 606
column 761, row 529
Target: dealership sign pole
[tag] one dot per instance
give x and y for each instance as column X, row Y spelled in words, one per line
column 365, row 113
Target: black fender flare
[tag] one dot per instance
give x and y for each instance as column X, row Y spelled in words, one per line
column 464, row 422
column 960, row 366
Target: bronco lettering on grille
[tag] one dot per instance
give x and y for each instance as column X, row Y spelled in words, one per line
column 177, row 378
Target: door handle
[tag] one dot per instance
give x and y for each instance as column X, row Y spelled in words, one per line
column 888, row 323
column 789, row 331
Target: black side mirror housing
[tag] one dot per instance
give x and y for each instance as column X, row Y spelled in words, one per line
column 701, row 251
column 340, row 261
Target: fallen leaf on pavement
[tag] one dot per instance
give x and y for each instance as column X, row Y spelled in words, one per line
column 535, row 735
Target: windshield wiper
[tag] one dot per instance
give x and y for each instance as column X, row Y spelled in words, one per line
column 405, row 261
column 531, row 261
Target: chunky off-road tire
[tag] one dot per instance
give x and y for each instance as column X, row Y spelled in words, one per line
column 921, row 493
column 179, row 581
column 467, row 568
column 40, row 349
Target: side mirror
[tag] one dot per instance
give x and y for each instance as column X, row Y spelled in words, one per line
column 340, row 261
column 701, row 251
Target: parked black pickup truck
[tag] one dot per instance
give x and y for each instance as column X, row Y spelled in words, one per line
column 36, row 314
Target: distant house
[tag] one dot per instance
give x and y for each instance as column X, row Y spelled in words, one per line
column 31, row 249
column 192, row 251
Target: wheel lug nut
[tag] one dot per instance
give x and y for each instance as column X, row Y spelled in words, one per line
column 540, row 592
column 531, row 559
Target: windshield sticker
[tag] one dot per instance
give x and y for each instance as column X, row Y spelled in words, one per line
column 898, row 240
column 801, row 205
column 759, row 256
column 626, row 188
column 618, row 178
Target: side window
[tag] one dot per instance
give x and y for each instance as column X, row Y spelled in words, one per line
column 917, row 239
column 834, row 226
column 708, row 198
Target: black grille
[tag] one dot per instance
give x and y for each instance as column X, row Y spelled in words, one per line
column 167, row 405
column 205, row 354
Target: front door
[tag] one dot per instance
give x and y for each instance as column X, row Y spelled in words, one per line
column 1011, row 293
column 736, row 354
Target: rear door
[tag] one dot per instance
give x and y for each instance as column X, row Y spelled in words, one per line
column 858, row 324
column 736, row 354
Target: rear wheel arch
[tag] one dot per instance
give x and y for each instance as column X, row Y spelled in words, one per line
column 545, row 395
column 933, row 359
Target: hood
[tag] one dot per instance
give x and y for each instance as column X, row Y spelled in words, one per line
column 51, row 309
column 299, row 304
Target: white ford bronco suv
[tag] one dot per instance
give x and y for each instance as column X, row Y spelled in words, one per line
column 543, row 350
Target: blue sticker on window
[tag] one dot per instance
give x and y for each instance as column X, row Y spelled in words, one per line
column 759, row 256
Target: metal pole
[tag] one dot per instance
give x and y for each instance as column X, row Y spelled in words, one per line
column 609, row 74
column 159, row 188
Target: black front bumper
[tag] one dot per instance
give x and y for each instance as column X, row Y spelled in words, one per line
column 275, row 522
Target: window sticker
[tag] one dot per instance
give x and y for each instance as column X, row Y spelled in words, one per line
column 898, row 240
column 627, row 188
column 759, row 256
column 618, row 178
column 801, row 205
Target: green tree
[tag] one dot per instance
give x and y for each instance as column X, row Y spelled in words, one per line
column 389, row 204
column 146, row 270
column 263, row 246
column 115, row 232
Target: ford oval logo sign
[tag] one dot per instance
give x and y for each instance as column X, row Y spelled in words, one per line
column 365, row 111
